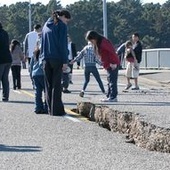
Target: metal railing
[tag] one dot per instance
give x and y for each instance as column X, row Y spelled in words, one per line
column 156, row 58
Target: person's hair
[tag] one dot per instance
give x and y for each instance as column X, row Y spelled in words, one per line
column 128, row 43
column 0, row 25
column 93, row 35
column 37, row 26
column 136, row 34
column 14, row 43
column 62, row 12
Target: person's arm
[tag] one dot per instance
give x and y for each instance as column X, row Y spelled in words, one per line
column 79, row 56
column 107, row 46
column 138, row 52
column 63, row 45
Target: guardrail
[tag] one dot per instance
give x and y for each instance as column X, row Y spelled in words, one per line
column 156, row 58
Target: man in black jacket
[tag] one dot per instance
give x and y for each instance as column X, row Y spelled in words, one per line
column 137, row 47
column 5, row 63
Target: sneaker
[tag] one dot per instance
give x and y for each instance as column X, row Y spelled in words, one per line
column 128, row 86
column 109, row 100
column 135, row 88
column 66, row 91
column 81, row 94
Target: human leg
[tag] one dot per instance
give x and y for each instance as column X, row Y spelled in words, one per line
column 98, row 79
column 18, row 77
column 112, row 76
column 5, row 82
column 57, row 107
column 38, row 93
column 14, row 75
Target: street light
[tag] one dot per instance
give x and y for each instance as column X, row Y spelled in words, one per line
column 30, row 16
column 105, row 18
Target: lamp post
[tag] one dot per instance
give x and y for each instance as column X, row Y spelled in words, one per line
column 105, row 18
column 30, row 15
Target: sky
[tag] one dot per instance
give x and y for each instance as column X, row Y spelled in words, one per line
column 67, row 2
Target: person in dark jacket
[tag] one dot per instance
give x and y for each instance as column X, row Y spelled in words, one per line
column 54, row 55
column 137, row 48
column 5, row 63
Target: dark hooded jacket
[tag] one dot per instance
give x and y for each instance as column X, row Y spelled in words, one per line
column 5, row 56
column 54, row 41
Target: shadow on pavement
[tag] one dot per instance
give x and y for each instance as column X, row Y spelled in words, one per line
column 25, row 102
column 5, row 148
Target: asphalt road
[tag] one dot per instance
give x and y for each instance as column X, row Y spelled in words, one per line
column 42, row 142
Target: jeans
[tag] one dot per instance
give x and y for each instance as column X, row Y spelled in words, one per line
column 16, row 76
column 4, row 73
column 39, row 89
column 112, row 76
column 53, row 88
column 94, row 71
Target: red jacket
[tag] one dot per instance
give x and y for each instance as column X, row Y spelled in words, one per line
column 108, row 54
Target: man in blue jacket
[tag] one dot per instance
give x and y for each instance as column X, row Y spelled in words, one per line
column 5, row 63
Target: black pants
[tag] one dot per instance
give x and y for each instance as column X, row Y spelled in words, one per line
column 52, row 75
column 4, row 74
column 16, row 76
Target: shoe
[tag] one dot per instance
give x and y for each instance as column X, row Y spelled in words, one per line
column 5, row 100
column 109, row 100
column 66, row 91
column 128, row 86
column 135, row 88
column 81, row 94
column 71, row 82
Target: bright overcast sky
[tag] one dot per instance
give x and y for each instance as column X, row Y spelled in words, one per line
column 65, row 2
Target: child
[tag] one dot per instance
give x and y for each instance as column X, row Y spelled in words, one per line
column 17, row 57
column 36, row 73
column 90, row 60
column 132, row 67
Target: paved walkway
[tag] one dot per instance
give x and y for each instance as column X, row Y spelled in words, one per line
column 42, row 142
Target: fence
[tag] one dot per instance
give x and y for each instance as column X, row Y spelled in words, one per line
column 156, row 58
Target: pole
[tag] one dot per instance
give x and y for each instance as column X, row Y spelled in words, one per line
column 105, row 18
column 30, row 15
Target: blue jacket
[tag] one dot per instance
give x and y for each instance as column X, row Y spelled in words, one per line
column 54, row 41
column 35, row 67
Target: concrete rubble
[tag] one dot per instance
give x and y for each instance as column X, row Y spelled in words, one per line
column 137, row 130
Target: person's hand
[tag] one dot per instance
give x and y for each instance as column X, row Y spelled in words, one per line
column 113, row 66
column 65, row 67
column 71, row 62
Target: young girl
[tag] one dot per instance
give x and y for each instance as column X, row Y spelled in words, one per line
column 105, row 50
column 17, row 57
column 131, row 68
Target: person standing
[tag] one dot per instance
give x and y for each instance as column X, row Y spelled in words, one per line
column 17, row 57
column 71, row 55
column 106, row 51
column 5, row 63
column 54, row 53
column 132, row 66
column 37, row 74
column 29, row 43
column 137, row 48
column 90, row 60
